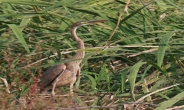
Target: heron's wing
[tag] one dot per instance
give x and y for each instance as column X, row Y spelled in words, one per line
column 67, row 77
column 51, row 74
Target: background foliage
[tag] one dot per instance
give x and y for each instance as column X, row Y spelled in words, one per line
column 134, row 60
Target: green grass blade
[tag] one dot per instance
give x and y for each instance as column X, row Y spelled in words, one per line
column 171, row 101
column 18, row 34
column 93, row 85
column 123, row 78
column 101, row 73
column 175, row 5
column 133, row 74
column 135, row 12
column 163, row 47
column 33, row 3
column 26, row 19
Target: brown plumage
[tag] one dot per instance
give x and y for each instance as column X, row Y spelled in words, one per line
column 63, row 74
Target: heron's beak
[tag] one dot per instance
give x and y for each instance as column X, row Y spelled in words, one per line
column 93, row 22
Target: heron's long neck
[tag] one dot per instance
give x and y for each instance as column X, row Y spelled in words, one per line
column 80, row 45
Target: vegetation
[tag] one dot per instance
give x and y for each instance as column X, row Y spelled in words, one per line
column 135, row 60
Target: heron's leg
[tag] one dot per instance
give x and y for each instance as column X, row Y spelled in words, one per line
column 54, row 86
column 78, row 72
column 53, row 93
column 71, row 84
column 71, row 89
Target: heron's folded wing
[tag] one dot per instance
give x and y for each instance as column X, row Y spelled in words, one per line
column 51, row 74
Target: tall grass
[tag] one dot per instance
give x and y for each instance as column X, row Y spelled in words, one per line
column 135, row 60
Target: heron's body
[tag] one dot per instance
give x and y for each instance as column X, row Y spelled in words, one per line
column 63, row 74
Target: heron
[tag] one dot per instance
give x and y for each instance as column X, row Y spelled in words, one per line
column 66, row 73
